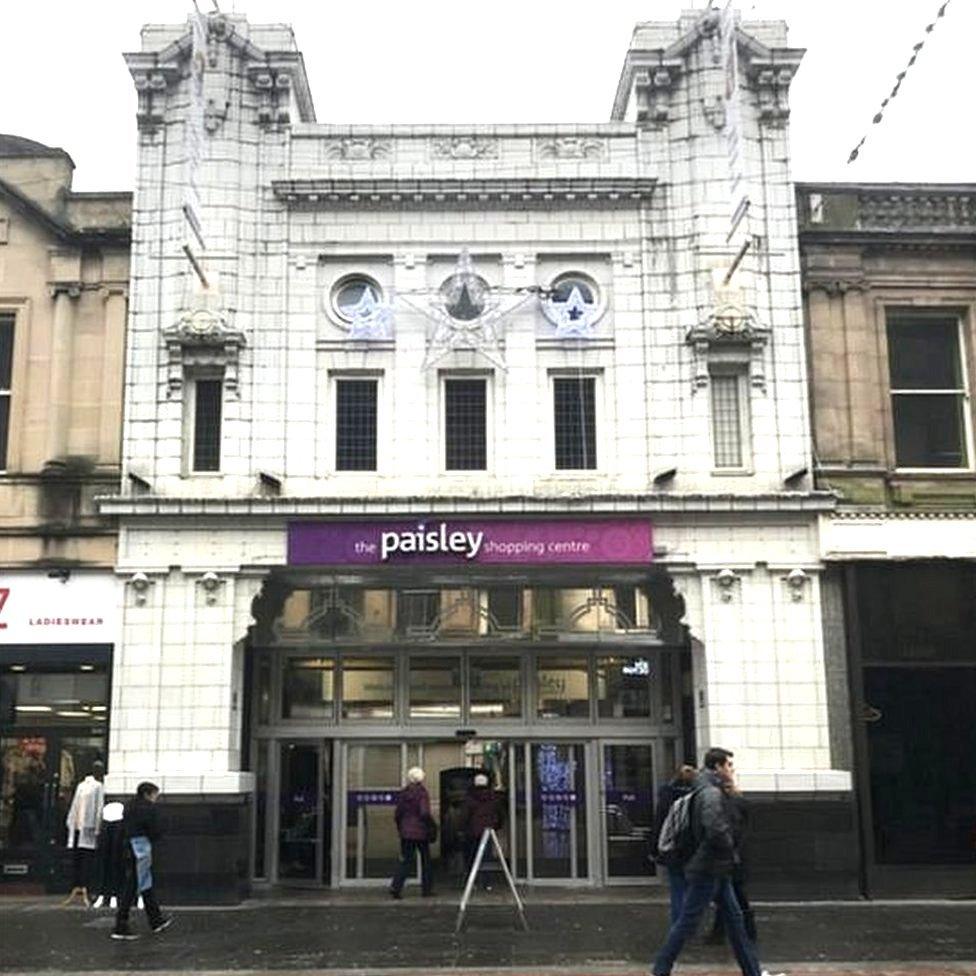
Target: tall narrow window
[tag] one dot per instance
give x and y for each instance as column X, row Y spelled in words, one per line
column 207, row 409
column 928, row 394
column 356, row 425
column 6, row 374
column 574, row 411
column 728, row 420
column 465, row 425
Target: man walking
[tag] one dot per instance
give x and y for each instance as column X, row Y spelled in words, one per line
column 708, row 870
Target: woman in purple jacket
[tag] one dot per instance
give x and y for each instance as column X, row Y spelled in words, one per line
column 413, row 822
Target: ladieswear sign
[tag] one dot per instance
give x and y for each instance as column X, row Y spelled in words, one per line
column 443, row 542
column 68, row 608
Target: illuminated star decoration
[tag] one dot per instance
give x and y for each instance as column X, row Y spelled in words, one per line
column 574, row 317
column 369, row 318
column 467, row 315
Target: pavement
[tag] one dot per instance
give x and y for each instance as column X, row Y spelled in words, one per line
column 581, row 934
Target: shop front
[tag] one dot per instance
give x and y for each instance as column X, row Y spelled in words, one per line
column 56, row 640
column 548, row 654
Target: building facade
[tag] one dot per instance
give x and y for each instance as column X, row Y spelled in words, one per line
column 890, row 282
column 472, row 447
column 64, row 273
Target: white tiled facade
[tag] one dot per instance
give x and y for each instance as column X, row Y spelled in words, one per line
column 640, row 204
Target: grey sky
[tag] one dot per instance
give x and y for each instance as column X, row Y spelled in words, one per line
column 63, row 80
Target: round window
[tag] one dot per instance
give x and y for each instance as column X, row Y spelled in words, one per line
column 573, row 301
column 465, row 296
column 355, row 297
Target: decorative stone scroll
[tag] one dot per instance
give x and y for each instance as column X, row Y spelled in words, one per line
column 571, row 147
column 357, row 148
column 464, row 147
column 653, row 89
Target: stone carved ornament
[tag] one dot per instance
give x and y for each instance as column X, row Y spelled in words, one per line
column 354, row 148
column 464, row 147
column 571, row 147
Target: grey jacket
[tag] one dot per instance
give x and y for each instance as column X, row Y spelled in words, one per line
column 712, row 819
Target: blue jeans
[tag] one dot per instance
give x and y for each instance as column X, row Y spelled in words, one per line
column 676, row 886
column 699, row 892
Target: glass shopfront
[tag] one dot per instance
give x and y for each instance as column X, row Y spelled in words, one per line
column 568, row 696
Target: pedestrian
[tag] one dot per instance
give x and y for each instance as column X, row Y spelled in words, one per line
column 415, row 826
column 682, row 783
column 140, row 823
column 481, row 812
column 740, row 825
column 708, row 870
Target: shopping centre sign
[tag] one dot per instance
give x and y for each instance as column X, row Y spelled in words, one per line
column 442, row 542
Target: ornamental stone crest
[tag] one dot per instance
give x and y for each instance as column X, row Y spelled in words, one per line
column 358, row 148
column 571, row 147
column 729, row 335
column 464, row 147
column 202, row 337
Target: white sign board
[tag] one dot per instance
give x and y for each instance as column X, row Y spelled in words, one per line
column 734, row 137
column 36, row 608
column 195, row 134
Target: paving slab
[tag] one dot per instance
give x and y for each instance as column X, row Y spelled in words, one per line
column 588, row 938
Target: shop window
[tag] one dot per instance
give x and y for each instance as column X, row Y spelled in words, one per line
column 417, row 612
column 562, row 687
column 928, row 391
column 367, row 688
column 574, row 416
column 623, row 687
column 465, row 425
column 435, row 687
column 356, row 414
column 496, row 687
column 203, row 422
column 730, row 420
column 308, row 688
column 505, row 608
column 6, row 378
column 666, row 687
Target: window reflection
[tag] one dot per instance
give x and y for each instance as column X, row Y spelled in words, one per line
column 367, row 688
column 435, row 687
column 308, row 688
column 562, row 687
column 496, row 687
column 623, row 687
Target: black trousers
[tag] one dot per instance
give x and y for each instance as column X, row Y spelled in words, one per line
column 409, row 850
column 130, row 895
column 82, row 863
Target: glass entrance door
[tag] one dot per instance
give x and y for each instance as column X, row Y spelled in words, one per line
column 628, row 809
column 304, row 813
column 559, row 845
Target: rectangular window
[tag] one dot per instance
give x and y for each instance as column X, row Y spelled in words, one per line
column 308, row 688
column 465, row 425
column 728, row 420
column 367, row 688
column 574, row 412
column 356, row 425
column 6, row 376
column 496, row 687
column 435, row 687
column 562, row 687
column 207, row 409
column 623, row 687
column 928, row 394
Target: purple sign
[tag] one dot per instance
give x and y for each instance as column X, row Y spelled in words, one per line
column 444, row 542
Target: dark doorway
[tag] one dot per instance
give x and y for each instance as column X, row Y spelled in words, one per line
column 922, row 748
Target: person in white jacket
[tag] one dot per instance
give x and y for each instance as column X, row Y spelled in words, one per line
column 84, row 820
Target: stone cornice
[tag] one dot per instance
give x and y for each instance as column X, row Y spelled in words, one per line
column 365, row 507
column 425, row 192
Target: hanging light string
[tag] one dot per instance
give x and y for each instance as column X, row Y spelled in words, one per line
column 899, row 78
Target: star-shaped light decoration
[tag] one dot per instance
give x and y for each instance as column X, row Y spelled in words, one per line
column 369, row 318
column 574, row 317
column 467, row 314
